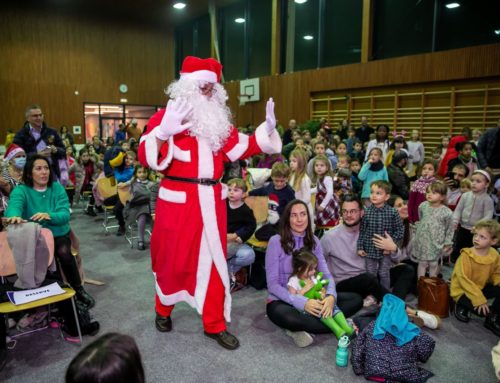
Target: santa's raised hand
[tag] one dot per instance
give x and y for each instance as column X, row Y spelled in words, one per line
column 270, row 117
column 177, row 111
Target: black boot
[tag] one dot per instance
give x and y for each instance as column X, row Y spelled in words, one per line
column 121, row 231
column 90, row 211
column 461, row 313
column 492, row 323
column 84, row 297
column 99, row 209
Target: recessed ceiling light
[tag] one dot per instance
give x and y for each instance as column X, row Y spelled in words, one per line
column 452, row 5
column 239, row 20
column 497, row 31
column 308, row 37
column 301, row 1
column 179, row 5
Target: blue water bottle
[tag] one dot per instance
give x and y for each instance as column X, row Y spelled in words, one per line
column 342, row 355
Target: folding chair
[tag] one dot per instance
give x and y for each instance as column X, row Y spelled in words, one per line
column 8, row 268
column 107, row 189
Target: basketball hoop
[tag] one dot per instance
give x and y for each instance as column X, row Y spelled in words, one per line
column 243, row 98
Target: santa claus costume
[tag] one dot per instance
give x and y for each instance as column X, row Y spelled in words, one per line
column 189, row 142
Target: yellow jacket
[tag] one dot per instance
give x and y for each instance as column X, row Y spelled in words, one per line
column 472, row 272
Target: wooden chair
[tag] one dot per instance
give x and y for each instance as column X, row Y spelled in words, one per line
column 8, row 268
column 107, row 189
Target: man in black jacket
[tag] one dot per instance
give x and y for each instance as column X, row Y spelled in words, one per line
column 34, row 136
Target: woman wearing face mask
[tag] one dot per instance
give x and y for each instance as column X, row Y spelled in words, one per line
column 12, row 173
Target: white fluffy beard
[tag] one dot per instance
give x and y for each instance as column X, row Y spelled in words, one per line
column 210, row 118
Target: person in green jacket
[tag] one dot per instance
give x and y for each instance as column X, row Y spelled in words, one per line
column 41, row 200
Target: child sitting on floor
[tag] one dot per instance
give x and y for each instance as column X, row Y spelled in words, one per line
column 476, row 277
column 305, row 281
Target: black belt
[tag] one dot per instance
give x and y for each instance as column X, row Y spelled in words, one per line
column 200, row 181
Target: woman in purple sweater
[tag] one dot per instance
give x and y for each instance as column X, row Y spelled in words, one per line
column 285, row 309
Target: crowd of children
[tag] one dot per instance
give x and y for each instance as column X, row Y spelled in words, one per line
column 450, row 216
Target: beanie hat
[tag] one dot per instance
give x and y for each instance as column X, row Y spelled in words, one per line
column 209, row 70
column 12, row 150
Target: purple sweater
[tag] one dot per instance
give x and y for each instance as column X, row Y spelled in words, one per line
column 279, row 270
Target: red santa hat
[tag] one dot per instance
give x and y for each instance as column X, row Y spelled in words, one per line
column 209, row 70
column 12, row 150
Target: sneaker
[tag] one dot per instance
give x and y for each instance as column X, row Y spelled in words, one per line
column 369, row 301
column 301, row 338
column 99, row 209
column 430, row 320
column 141, row 246
column 234, row 286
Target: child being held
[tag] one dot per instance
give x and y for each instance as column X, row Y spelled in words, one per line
column 434, row 236
column 240, row 226
column 465, row 185
column 279, row 193
column 381, row 219
column 476, row 277
column 307, row 282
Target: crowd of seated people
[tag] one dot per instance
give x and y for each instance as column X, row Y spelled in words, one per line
column 328, row 196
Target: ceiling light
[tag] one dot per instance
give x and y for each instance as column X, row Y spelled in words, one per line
column 497, row 31
column 452, row 5
column 179, row 5
column 308, row 37
column 301, row 1
column 239, row 20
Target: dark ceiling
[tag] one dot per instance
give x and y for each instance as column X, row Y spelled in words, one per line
column 144, row 12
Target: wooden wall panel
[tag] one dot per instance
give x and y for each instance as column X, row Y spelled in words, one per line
column 46, row 58
column 292, row 92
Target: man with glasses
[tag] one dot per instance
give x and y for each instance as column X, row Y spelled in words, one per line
column 34, row 137
column 347, row 268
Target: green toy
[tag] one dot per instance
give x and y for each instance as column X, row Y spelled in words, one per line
column 337, row 323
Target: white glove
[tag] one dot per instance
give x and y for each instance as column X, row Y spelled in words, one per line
column 171, row 123
column 270, row 117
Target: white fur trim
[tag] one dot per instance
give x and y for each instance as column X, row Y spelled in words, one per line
column 203, row 272
column 223, row 193
column 215, row 252
column 269, row 144
column 203, row 75
column 171, row 195
column 182, row 155
column 152, row 151
column 238, row 149
column 205, row 159
column 180, row 296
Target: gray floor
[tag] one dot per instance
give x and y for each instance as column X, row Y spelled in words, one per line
column 125, row 304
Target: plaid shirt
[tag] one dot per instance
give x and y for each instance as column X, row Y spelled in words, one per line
column 378, row 221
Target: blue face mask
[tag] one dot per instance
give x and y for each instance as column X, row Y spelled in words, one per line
column 19, row 162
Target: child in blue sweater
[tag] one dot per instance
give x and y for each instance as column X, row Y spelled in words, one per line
column 372, row 170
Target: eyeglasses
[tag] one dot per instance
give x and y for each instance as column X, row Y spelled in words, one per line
column 349, row 212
